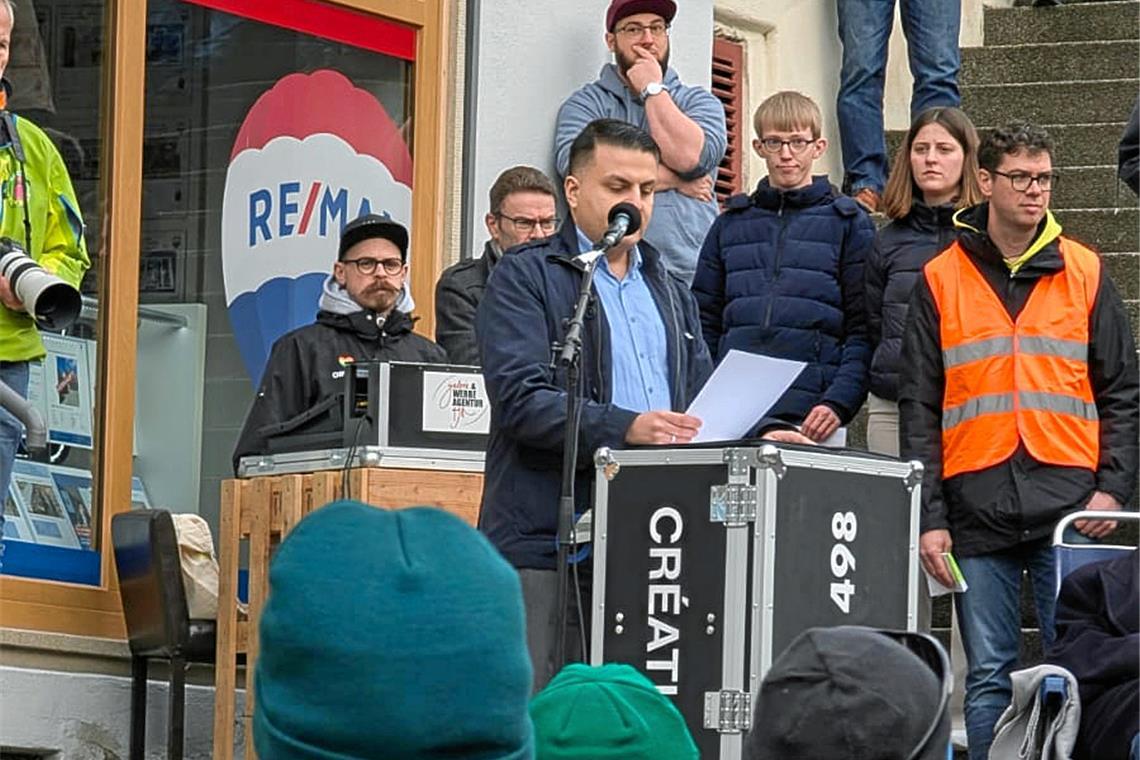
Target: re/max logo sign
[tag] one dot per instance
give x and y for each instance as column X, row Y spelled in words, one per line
column 278, row 212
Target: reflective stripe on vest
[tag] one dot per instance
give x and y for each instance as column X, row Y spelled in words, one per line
column 1017, row 383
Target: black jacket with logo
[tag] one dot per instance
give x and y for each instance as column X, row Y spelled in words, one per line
column 306, row 367
column 1020, row 499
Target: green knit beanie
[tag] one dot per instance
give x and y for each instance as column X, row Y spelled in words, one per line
column 391, row 634
column 611, row 711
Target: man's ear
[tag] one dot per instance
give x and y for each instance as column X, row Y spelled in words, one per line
column 570, row 188
column 339, row 273
column 611, row 41
column 985, row 182
column 492, row 223
column 819, row 148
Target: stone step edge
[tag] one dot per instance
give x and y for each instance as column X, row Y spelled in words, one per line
column 1049, row 84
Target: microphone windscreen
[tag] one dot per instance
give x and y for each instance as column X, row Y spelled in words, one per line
column 629, row 210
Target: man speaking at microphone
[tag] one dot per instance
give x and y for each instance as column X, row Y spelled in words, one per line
column 642, row 362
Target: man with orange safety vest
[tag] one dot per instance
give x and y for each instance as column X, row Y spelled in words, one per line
column 1020, row 396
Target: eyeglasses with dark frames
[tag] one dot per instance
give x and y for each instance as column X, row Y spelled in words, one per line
column 368, row 265
column 526, row 226
column 1020, row 181
column 774, row 145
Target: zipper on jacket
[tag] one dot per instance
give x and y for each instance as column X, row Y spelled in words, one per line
column 779, row 257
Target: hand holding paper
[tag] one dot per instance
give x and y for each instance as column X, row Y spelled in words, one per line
column 739, row 393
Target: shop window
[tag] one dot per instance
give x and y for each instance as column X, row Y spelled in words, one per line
column 728, row 86
column 268, row 127
column 51, row 521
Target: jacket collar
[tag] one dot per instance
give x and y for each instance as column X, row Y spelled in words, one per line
column 565, row 245
column 930, row 218
column 367, row 324
column 610, row 80
column 1042, row 257
column 819, row 191
column 491, row 255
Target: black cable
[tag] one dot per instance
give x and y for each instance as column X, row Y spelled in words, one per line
column 345, row 481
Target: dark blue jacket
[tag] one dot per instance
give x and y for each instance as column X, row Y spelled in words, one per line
column 893, row 266
column 781, row 274
column 1098, row 641
column 530, row 295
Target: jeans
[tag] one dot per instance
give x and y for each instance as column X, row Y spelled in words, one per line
column 15, row 376
column 989, row 618
column 931, row 30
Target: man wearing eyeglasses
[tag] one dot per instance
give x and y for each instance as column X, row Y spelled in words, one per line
column 1020, row 396
column 686, row 122
column 522, row 209
column 358, row 320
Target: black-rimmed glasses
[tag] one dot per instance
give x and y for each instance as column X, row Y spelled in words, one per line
column 526, row 226
column 368, row 265
column 1020, row 181
column 774, row 145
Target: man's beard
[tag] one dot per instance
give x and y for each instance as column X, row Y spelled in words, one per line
column 625, row 64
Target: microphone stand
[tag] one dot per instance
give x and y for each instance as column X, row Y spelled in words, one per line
column 569, row 355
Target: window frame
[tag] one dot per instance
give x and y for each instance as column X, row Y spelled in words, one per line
column 52, row 606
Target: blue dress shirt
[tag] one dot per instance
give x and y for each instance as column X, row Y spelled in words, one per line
column 638, row 346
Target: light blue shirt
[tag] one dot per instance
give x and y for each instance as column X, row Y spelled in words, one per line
column 639, row 356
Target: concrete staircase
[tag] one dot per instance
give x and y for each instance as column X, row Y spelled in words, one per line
column 1075, row 69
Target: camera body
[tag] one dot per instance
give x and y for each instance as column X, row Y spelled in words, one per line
column 52, row 303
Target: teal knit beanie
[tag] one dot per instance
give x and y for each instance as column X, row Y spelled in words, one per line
column 611, row 711
column 391, row 634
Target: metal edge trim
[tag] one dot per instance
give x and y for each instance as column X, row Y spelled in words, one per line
column 384, row 415
column 914, row 573
column 667, row 456
column 844, row 463
column 768, row 579
column 598, row 617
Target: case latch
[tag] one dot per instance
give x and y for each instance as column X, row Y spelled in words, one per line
column 914, row 477
column 728, row 711
column 604, row 460
column 733, row 504
column 768, row 457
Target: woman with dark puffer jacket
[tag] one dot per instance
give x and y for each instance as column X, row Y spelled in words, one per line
column 935, row 174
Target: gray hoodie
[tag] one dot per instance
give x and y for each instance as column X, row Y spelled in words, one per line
column 679, row 222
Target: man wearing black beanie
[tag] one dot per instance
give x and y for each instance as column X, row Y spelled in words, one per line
column 851, row 693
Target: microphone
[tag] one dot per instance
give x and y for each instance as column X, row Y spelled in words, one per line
column 624, row 220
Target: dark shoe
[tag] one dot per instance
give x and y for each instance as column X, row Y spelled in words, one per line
column 868, row 199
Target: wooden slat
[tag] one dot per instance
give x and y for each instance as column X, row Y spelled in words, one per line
column 457, row 492
column 225, row 668
column 292, row 502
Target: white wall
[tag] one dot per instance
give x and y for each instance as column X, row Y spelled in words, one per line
column 531, row 55
column 86, row 716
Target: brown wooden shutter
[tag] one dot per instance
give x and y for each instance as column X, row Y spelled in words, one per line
column 728, row 86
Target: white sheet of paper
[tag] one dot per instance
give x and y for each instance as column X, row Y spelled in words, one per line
column 740, row 391
column 838, row 439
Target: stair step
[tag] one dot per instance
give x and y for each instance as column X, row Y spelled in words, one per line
column 1050, row 103
column 1072, row 23
column 1091, row 187
column 1124, row 269
column 1072, row 61
column 1107, row 230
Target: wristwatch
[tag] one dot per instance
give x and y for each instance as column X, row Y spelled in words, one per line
column 651, row 89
